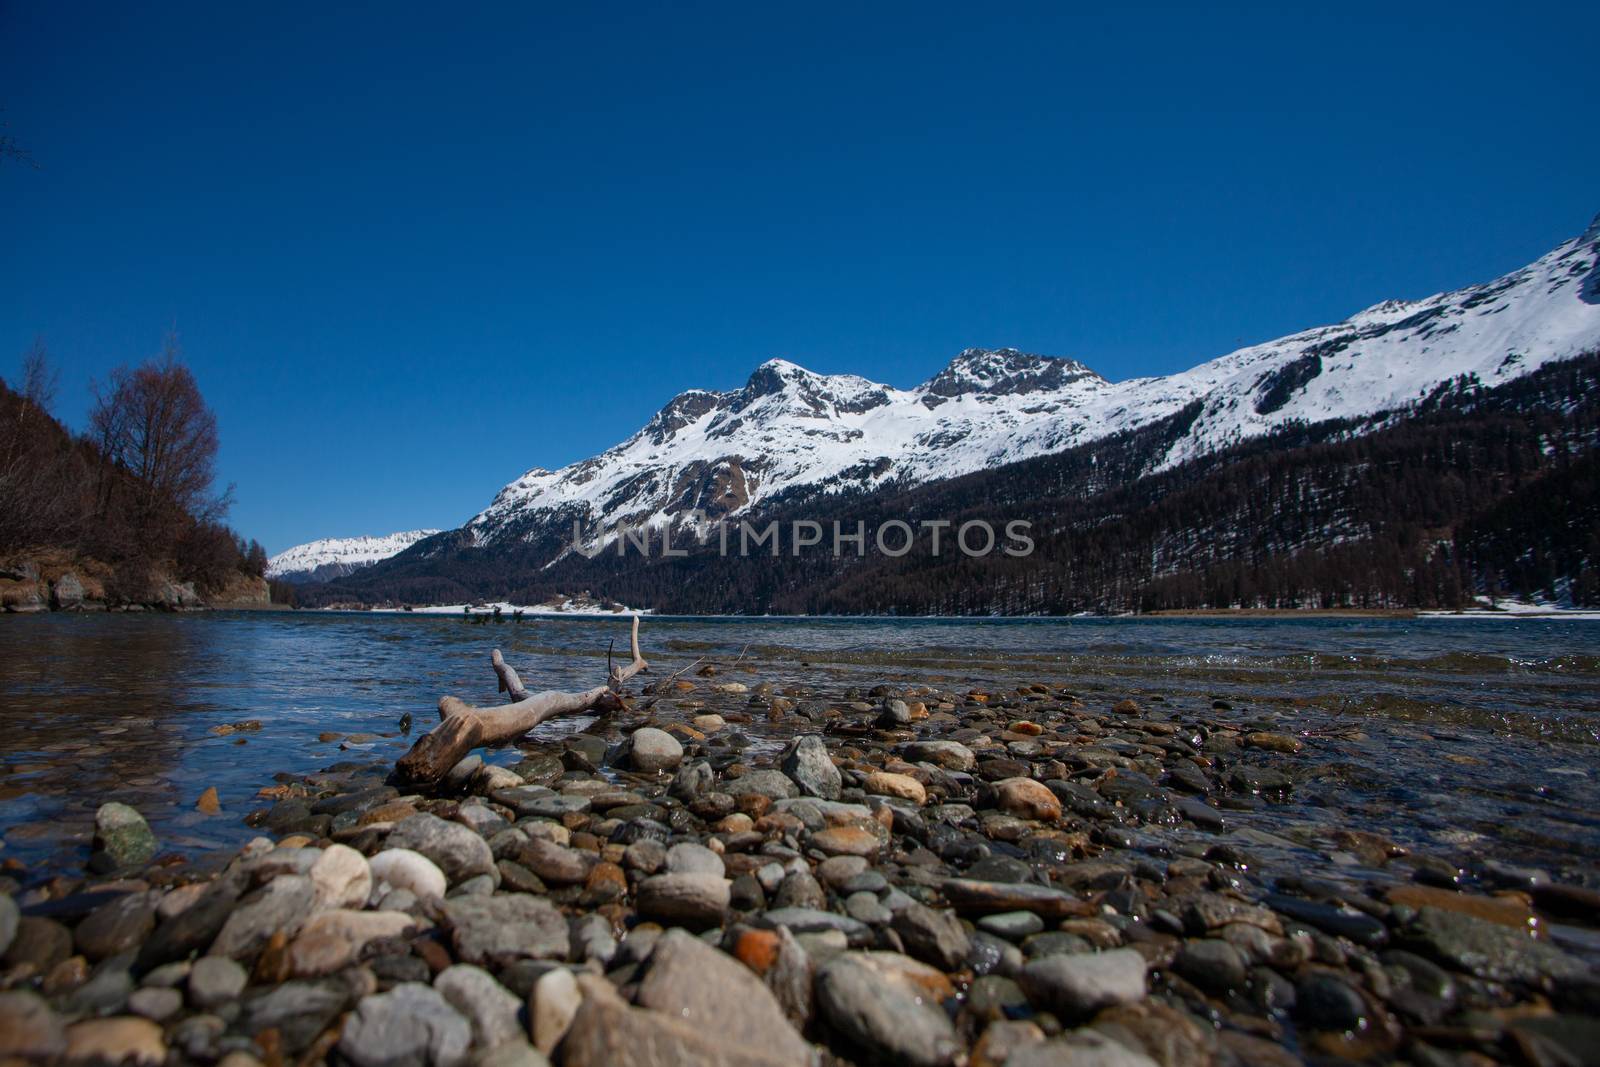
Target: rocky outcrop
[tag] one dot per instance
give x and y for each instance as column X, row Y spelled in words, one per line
column 243, row 592
column 57, row 581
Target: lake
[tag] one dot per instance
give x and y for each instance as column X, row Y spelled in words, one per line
column 1452, row 734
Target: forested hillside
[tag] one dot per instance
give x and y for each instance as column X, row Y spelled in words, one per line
column 126, row 513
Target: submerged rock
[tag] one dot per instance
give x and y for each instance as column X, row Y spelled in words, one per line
column 121, row 838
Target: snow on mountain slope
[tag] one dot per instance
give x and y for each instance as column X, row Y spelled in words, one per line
column 789, row 432
column 335, row 557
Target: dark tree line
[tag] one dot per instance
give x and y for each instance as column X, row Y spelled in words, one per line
column 136, row 491
column 1476, row 491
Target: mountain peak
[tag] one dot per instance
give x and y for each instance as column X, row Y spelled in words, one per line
column 772, row 375
column 336, row 557
column 1003, row 371
column 1592, row 234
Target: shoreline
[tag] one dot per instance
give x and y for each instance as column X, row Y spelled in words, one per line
column 998, row 847
column 533, row 611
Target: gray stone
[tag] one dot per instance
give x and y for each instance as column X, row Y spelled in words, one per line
column 774, row 785
column 1011, row 925
column 995, row 997
column 299, row 1011
column 1489, row 950
column 215, row 981
column 197, row 1036
column 1325, row 1002
column 687, row 857
column 1212, row 964
column 538, row 802
column 693, row 900
column 836, row 871
column 800, row 889
column 516, row 1053
column 193, row 928
column 951, row 755
column 487, row 1005
column 859, row 997
column 652, row 751
column 121, row 838
column 974, row 897
column 118, row 926
column 1082, row 1048
column 457, row 778
column 814, row 921
column 105, row 993
column 692, row 780
column 553, row 863
column 264, row 868
column 9, row 917
column 497, row 930
column 458, row 852
column 67, row 592
column 646, row 856
column 690, row 980
column 168, row 975
column 592, row 939
column 28, row 1028
column 606, row 1032
column 155, row 1004
column 806, row 761
column 791, row 978
column 895, row 714
column 935, row 937
column 1078, row 986
column 40, row 943
column 409, row 1026
column 864, row 907
column 282, row 904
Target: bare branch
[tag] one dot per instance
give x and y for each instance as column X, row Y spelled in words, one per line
column 463, row 727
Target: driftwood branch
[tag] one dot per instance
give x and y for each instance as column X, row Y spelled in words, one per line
column 463, row 727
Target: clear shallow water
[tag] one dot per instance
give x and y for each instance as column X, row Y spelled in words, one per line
column 1445, row 734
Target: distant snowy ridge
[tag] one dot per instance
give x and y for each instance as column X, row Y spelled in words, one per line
column 336, row 557
column 790, row 433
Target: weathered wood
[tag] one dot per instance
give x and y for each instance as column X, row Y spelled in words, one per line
column 441, row 748
column 463, row 727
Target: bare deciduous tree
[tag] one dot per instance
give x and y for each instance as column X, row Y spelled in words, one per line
column 36, row 497
column 11, row 151
column 152, row 422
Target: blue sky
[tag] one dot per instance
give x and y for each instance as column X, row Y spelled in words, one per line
column 414, row 251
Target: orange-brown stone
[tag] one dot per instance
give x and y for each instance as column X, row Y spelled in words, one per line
column 1507, row 911
column 757, row 949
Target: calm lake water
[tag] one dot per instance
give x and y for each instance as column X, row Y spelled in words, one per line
column 1452, row 734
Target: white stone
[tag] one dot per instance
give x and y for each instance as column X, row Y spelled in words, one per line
column 341, row 878
column 554, row 1002
column 401, row 868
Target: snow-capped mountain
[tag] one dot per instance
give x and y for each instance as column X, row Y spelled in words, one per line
column 790, row 433
column 337, row 557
